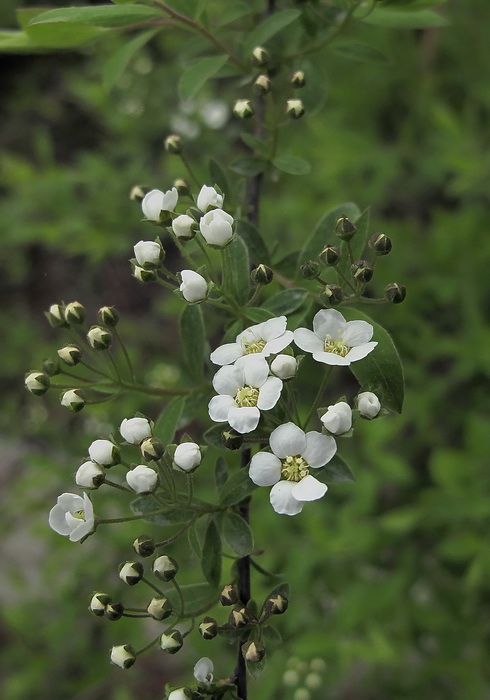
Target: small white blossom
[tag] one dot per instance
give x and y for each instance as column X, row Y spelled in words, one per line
column 89, row 475
column 72, row 516
column 182, row 226
column 209, row 197
column 203, row 671
column 157, row 201
column 194, row 287
column 287, row 468
column 217, row 228
column 263, row 339
column 284, row 366
column 187, row 456
column 335, row 341
column 149, row 254
column 103, row 452
column 142, row 479
column 178, row 694
column 338, row 418
column 244, row 389
column 368, row 404
column 135, row 430
column 123, row 655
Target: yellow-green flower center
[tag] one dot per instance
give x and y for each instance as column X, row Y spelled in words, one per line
column 254, row 346
column 294, row 468
column 247, row 396
column 336, row 345
column 79, row 514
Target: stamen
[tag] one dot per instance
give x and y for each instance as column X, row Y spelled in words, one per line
column 247, row 396
column 254, row 346
column 79, row 514
column 294, row 468
column 336, row 345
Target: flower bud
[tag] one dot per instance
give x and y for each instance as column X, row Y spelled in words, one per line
column 239, row 617
column 194, row 288
column 243, row 109
column 332, row 295
column 295, row 108
column 172, row 642
column 395, row 293
column 137, row 193
column 159, row 608
column 310, row 270
column 98, row 603
column 261, row 275
column 165, row 568
column 114, row 611
column 131, row 572
column 330, row 255
column 99, row 338
column 73, row 399
column 51, row 366
column 104, row 452
column 89, row 476
column 380, row 243
column 143, row 275
column 229, row 595
column 362, row 271
column 135, row 430
column 209, row 197
column 56, row 316
column 276, row 604
column 298, row 79
column 260, row 57
column 144, row 545
column 149, row 254
column 37, row 383
column 344, row 228
column 70, row 355
column 155, row 202
column 216, row 227
column 231, row 439
column 109, row 316
column 208, row 629
column 284, row 366
column 75, row 312
column 184, row 227
column 142, row 479
column 173, row 144
column 262, row 85
column 187, row 456
column 253, row 652
column 123, row 655
column 181, row 694
column 338, row 418
column 152, row 448
column 368, row 404
column 182, row 186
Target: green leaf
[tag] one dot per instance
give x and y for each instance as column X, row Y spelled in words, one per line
column 61, row 35
column 238, row 487
column 255, row 668
column 269, row 28
column 357, row 51
column 314, row 93
column 100, row 15
column 232, row 11
column 335, row 472
column 381, row 371
column 257, row 315
column 193, row 335
column 194, row 541
column 237, row 534
column 248, row 166
column 404, row 19
column 271, row 636
column 218, row 177
column 196, row 596
column 211, row 554
column 257, row 248
column 221, row 472
column 169, row 516
column 118, row 62
column 253, row 142
column 198, row 74
column 169, row 419
column 15, row 41
column 285, row 302
column 324, row 231
column 212, row 436
column 288, row 265
column 282, row 588
column 237, row 270
column 292, row 165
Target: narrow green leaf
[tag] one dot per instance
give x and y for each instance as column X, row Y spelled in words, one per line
column 169, row 516
column 282, row 588
column 292, row 165
column 357, row 51
column 61, row 35
column 233, row 11
column 335, row 472
column 381, row 371
column 257, row 315
column 218, row 177
column 194, row 541
column 118, row 62
column 237, row 270
column 272, row 637
column 255, row 668
column 212, row 436
column 248, row 166
column 26, row 14
column 198, row 73
column 193, row 335
column 253, row 142
column 237, row 534
column 257, row 248
column 100, row 15
column 324, row 231
column 221, row 472
column 15, row 41
column 238, row 487
column 285, row 302
column 196, row 596
column 404, row 19
column 288, row 265
column 211, row 554
column 169, row 419
column 269, row 28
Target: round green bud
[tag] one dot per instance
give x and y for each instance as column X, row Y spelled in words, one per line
column 297, row 79
column 173, row 144
column 99, row 338
column 276, row 604
column 231, row 439
column 114, row 611
column 229, row 595
column 332, row 295
column 75, row 313
column 395, row 293
column 143, row 275
column 109, row 316
column 208, row 629
column 262, row 275
column 253, row 652
column 152, row 448
column 262, row 85
column 144, row 545
column 260, row 57
column 344, row 228
column 362, row 271
column 51, row 366
column 172, row 642
column 330, row 255
column 165, row 568
column 70, row 355
column 295, row 108
column 310, row 270
column 380, row 243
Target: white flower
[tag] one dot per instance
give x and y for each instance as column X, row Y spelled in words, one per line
column 181, row 226
column 135, row 430
column 89, row 475
column 123, row 655
column 264, row 339
column 72, row 516
column 142, row 479
column 194, row 287
column 287, row 469
column 335, row 341
column 208, row 197
column 217, row 228
column 178, row 694
column 244, row 389
column 103, row 452
column 203, row 671
column 368, row 404
column 187, row 456
column 148, row 254
column 338, row 418
column 284, row 366
column 157, row 201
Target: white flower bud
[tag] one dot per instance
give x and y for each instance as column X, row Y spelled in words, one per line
column 123, row 655
column 135, row 430
column 172, row 642
column 75, row 312
column 89, row 475
column 209, row 197
column 56, row 315
column 165, row 568
column 131, row 572
column 368, row 404
column 142, row 479
column 284, row 366
column 338, row 418
column 70, row 355
column 98, row 603
column 73, row 399
column 149, row 254
column 143, row 275
column 37, row 383
column 179, row 694
column 217, row 228
column 99, row 338
column 156, row 201
column 295, row 108
column 104, row 452
column 183, row 225
column 194, row 287
column 187, row 456
column 159, row 608
column 243, row 109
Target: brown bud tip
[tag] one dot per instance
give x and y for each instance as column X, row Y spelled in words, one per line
column 395, row 293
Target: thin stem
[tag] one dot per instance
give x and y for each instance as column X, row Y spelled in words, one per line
column 263, row 571
column 152, row 585
column 160, row 391
column 125, row 353
column 117, row 486
column 181, row 597
column 321, row 389
column 212, row 272
column 136, row 615
column 93, row 369
column 187, row 166
column 148, row 646
column 345, row 279
column 110, row 521
column 169, row 540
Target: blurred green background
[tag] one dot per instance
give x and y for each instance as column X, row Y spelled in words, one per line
column 390, row 576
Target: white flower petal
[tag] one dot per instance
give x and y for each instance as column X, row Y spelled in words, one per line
column 282, row 499
column 273, row 328
column 360, row 351
column 226, row 354
column 358, row 333
column 309, row 489
column 85, row 528
column 244, row 419
column 368, row 404
column 329, row 322
column 265, row 469
column 220, row 406
column 272, row 347
column 287, row 440
column 228, row 380
column 203, row 670
column 331, row 358
column 269, row 393
column 338, row 418
column 57, row 520
column 255, row 369
column 319, row 449
column 308, row 341
column 151, row 204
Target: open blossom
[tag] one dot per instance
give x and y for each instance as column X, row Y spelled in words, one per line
column 287, row 469
column 72, row 516
column 368, row 404
column 209, row 197
column 335, row 341
column 244, row 389
column 217, row 228
column 267, row 338
column 338, row 418
column 194, row 287
column 157, row 201
column 203, row 671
